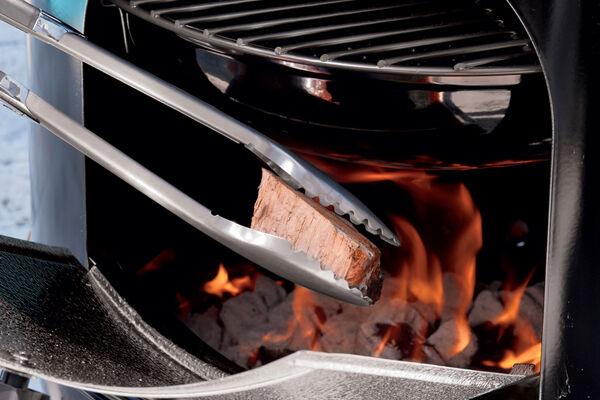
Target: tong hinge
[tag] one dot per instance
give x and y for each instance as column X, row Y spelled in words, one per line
column 50, row 27
column 13, row 95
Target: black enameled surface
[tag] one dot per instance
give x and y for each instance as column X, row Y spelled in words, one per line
column 567, row 34
column 59, row 320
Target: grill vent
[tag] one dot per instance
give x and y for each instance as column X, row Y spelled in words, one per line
column 438, row 37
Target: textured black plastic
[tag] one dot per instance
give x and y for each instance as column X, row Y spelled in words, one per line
column 63, row 323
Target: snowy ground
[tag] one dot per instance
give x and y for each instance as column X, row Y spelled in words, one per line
column 15, row 209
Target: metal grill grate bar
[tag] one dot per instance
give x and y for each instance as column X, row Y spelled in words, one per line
column 262, row 11
column 489, row 60
column 367, row 36
column 198, row 7
column 404, row 45
column 283, row 21
column 382, row 36
column 135, row 3
column 454, row 51
column 332, row 28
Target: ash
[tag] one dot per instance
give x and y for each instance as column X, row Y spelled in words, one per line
column 267, row 323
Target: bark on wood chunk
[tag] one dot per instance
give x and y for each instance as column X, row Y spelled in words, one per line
column 281, row 211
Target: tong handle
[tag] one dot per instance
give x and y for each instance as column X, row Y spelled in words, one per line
column 22, row 13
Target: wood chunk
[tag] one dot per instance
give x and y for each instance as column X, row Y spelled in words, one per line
column 282, row 211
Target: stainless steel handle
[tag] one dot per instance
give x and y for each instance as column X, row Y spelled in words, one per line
column 19, row 12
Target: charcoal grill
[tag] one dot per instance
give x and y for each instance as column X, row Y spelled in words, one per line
column 564, row 36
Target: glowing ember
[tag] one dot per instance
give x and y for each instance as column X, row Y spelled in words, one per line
column 158, row 262
column 420, row 272
column 221, row 284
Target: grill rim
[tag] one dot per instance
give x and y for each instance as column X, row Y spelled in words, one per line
column 478, row 76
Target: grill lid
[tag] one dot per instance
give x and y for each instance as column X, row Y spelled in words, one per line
column 416, row 37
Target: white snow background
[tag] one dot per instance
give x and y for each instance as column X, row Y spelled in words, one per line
column 15, row 204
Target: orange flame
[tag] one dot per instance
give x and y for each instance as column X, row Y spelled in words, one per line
column 420, row 272
column 455, row 211
column 531, row 355
column 384, row 341
column 526, row 349
column 512, row 303
column 420, row 268
column 526, row 346
column 435, row 268
column 307, row 323
column 221, row 284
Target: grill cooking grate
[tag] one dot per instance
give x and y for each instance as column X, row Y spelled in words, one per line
column 419, row 37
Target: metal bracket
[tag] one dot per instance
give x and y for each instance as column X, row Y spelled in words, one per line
column 50, row 27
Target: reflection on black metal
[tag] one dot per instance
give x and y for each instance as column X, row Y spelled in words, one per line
column 567, row 34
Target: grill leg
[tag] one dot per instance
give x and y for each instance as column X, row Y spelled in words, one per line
column 567, row 34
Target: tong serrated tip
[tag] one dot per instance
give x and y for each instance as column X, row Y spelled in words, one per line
column 357, row 212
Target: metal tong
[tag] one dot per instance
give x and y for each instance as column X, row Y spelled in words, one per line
column 274, row 253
